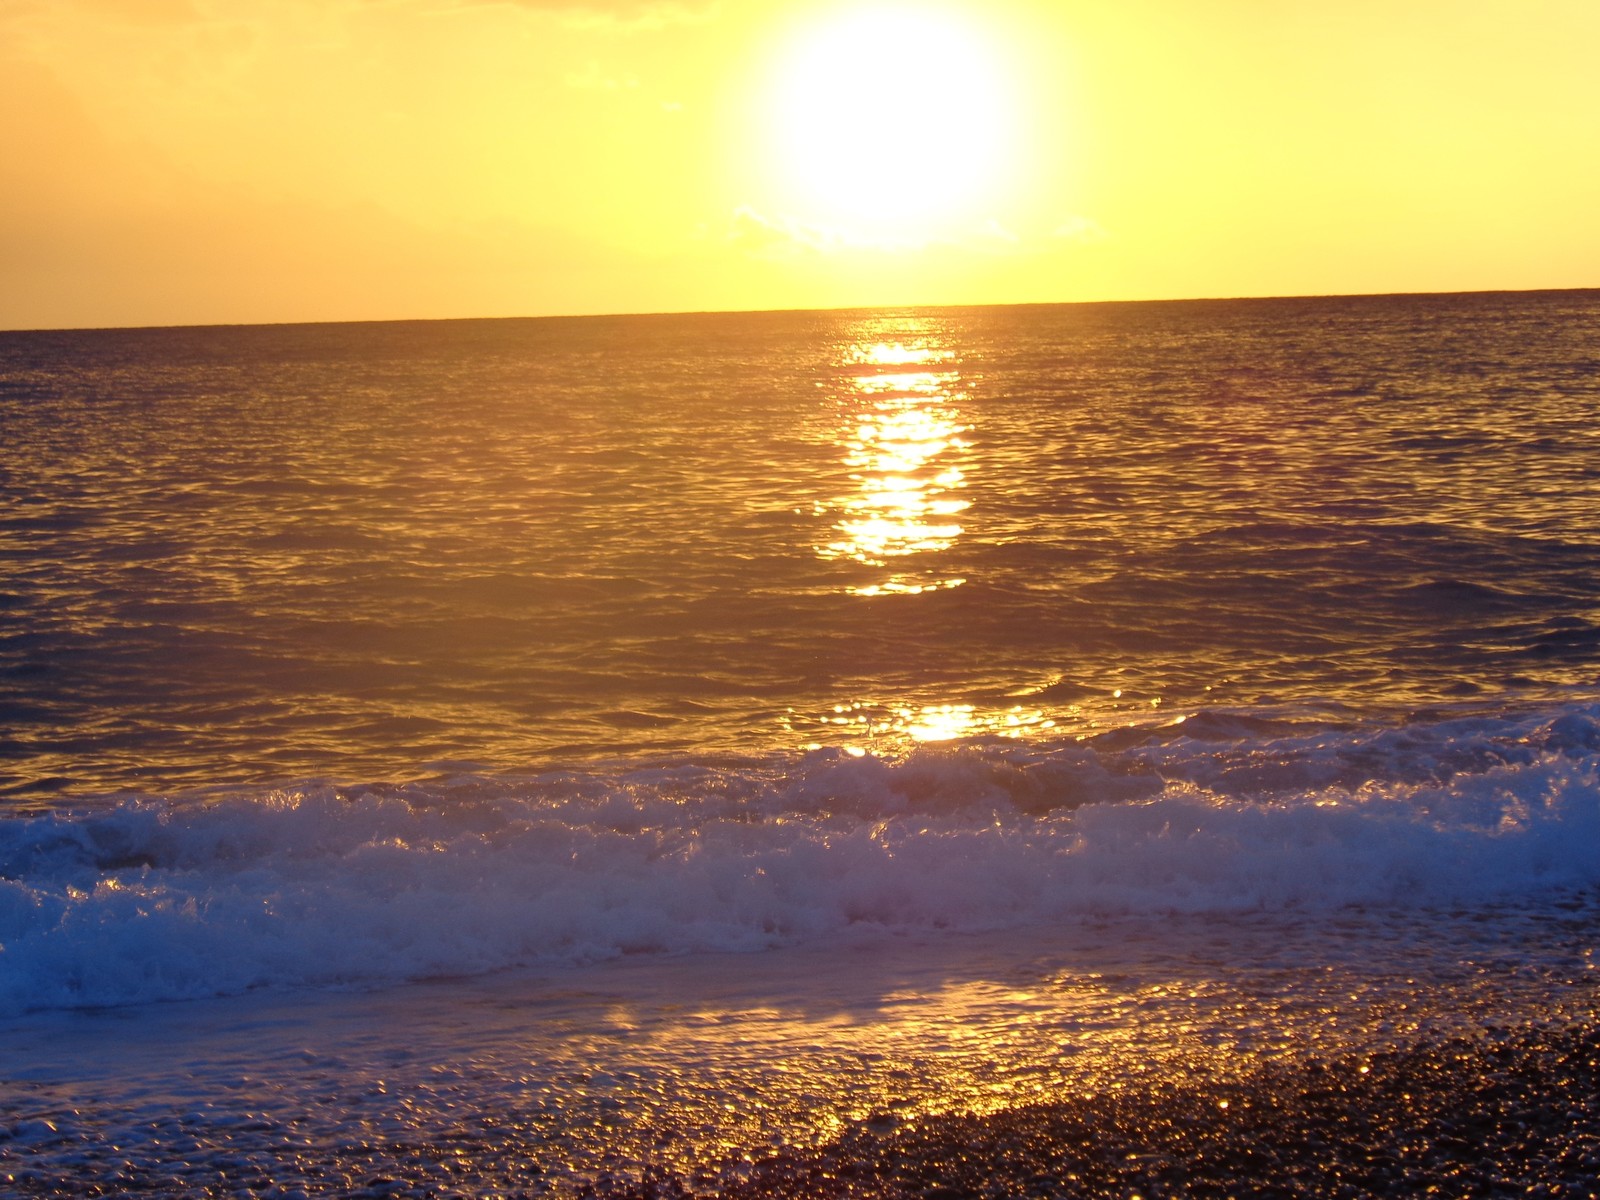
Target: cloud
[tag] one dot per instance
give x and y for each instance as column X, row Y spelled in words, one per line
column 992, row 231
column 616, row 16
column 132, row 12
column 778, row 237
column 786, row 237
column 765, row 236
column 1078, row 229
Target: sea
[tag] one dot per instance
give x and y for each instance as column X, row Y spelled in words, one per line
column 524, row 757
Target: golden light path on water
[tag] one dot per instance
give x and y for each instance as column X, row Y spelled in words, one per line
column 904, row 441
column 907, row 458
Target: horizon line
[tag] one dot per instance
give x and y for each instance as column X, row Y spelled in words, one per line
column 751, row 312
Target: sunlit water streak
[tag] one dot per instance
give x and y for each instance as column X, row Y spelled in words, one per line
column 906, row 454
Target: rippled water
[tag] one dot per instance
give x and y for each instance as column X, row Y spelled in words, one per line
column 377, row 551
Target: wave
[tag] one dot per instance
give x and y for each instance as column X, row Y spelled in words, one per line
column 323, row 886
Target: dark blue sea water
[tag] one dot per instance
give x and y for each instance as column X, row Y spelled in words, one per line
column 347, row 655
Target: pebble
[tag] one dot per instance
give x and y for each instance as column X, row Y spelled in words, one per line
column 1457, row 1118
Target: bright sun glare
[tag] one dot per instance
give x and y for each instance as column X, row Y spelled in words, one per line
column 892, row 123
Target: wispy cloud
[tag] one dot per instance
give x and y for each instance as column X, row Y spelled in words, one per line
column 617, row 16
column 777, row 237
column 1078, row 229
column 784, row 236
column 767, row 236
column 135, row 12
column 993, row 231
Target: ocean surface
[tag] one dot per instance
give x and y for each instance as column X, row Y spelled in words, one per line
column 781, row 718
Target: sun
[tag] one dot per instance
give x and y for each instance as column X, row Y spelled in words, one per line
column 891, row 122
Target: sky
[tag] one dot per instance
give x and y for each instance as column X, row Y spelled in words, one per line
column 232, row 161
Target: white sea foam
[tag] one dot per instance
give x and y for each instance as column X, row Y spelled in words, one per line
column 324, row 886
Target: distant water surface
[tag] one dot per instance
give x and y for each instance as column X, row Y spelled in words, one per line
column 230, row 556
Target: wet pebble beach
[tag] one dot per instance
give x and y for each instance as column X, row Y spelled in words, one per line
column 1512, row 1112
column 1508, row 1111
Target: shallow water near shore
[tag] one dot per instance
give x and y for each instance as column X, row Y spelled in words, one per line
column 700, row 1066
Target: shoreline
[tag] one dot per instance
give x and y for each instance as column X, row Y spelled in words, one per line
column 1507, row 1111
column 1357, row 1056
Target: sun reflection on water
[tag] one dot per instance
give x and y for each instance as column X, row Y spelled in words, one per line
column 905, row 444
column 868, row 723
column 902, row 443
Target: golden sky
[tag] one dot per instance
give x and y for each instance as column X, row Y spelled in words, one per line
column 200, row 161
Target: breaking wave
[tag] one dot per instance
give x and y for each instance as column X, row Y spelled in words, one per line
column 326, row 886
